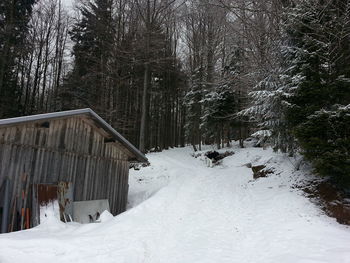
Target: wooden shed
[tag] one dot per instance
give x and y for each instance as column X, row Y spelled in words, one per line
column 77, row 147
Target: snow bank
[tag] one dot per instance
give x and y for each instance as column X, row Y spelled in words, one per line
column 50, row 217
column 105, row 216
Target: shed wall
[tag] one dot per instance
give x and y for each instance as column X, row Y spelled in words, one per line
column 69, row 150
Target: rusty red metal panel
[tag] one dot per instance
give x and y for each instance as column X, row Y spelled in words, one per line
column 47, row 193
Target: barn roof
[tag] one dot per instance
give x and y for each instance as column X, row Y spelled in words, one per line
column 89, row 112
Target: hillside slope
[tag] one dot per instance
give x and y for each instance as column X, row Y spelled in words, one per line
column 182, row 211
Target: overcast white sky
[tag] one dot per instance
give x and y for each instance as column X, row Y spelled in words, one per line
column 68, row 3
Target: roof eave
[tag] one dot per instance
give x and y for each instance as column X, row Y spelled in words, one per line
column 139, row 156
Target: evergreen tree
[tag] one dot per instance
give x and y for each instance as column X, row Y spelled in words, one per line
column 325, row 140
column 219, row 108
column 319, row 82
column 221, row 103
column 14, row 18
column 93, row 36
column 268, row 111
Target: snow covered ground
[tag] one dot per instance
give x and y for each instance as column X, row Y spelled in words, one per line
column 182, row 211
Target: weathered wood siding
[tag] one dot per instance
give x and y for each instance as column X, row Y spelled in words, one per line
column 72, row 150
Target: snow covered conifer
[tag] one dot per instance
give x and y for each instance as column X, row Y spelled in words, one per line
column 319, row 82
column 324, row 138
column 268, row 110
column 219, row 107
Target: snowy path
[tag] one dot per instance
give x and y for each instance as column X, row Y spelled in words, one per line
column 199, row 214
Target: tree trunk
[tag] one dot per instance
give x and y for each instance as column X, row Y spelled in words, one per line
column 144, row 108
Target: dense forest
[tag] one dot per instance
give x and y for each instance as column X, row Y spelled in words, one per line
column 167, row 73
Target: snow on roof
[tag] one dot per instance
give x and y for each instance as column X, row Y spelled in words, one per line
column 87, row 111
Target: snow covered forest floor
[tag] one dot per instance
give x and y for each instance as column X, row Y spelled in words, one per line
column 182, row 211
